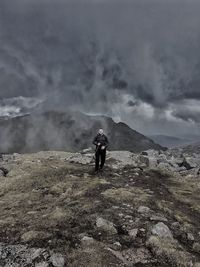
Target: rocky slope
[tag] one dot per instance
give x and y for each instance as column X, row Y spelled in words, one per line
column 138, row 212
column 70, row 131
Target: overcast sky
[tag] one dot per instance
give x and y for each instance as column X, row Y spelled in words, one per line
column 137, row 61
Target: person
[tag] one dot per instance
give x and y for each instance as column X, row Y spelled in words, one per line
column 101, row 143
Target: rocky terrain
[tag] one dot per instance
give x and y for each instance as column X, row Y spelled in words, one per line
column 69, row 131
column 142, row 210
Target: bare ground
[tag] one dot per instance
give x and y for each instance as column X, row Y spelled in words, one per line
column 52, row 204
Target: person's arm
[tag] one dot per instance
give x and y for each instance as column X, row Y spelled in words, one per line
column 105, row 143
column 95, row 141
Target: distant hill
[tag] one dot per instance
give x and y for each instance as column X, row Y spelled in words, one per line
column 170, row 141
column 72, row 131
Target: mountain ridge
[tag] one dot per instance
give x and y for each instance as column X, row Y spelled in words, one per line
column 72, row 131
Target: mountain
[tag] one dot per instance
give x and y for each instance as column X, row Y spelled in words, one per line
column 72, row 131
column 170, row 141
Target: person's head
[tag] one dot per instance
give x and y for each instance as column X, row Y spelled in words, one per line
column 100, row 131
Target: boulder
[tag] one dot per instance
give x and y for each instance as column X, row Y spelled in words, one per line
column 42, row 264
column 86, row 241
column 189, row 163
column 161, row 230
column 87, row 150
column 158, row 218
column 106, row 226
column 117, row 246
column 57, row 260
column 196, row 247
column 143, row 210
column 133, row 233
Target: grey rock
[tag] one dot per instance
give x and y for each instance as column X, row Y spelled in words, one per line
column 161, row 230
column 1, row 173
column 143, row 160
column 86, row 241
column 133, row 233
column 117, row 246
column 86, row 150
column 143, row 210
column 42, row 264
column 189, row 163
column 106, row 226
column 158, row 218
column 190, row 237
column 196, row 247
column 57, row 260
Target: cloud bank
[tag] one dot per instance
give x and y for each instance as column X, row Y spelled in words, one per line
column 137, row 61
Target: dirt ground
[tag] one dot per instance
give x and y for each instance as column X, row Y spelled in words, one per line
column 49, row 203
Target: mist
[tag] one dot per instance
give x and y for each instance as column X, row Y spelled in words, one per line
column 135, row 61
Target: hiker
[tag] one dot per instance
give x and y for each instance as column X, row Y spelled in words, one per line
column 101, row 142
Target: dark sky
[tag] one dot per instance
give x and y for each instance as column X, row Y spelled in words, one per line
column 137, row 61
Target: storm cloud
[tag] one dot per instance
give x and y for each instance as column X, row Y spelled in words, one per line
column 137, row 61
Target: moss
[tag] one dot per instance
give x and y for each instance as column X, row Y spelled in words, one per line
column 169, row 251
column 132, row 195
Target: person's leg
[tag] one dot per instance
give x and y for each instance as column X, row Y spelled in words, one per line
column 103, row 158
column 97, row 160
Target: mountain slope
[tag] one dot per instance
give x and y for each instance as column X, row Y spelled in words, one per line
column 169, row 141
column 70, row 131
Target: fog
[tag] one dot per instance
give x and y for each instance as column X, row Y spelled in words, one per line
column 136, row 61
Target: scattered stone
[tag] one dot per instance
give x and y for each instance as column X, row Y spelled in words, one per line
column 86, row 240
column 32, row 235
column 86, row 150
column 106, row 226
column 128, row 217
column 196, row 247
column 1, row 173
column 117, row 246
column 189, row 163
column 57, row 260
column 141, row 232
column 42, row 264
column 143, row 210
column 133, row 233
column 190, row 237
column 158, row 218
column 161, row 230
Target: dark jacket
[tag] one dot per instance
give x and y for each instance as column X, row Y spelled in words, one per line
column 102, row 139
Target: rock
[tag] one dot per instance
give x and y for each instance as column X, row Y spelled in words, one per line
column 143, row 210
column 42, row 264
column 86, row 241
column 161, row 230
column 165, row 166
column 196, row 247
column 158, row 218
column 189, row 163
column 86, row 150
column 133, row 233
column 37, row 253
column 117, row 246
column 141, row 232
column 190, row 237
column 106, row 226
column 30, row 235
column 57, row 260
column 197, row 264
column 144, row 153
column 1, row 173
column 143, row 160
